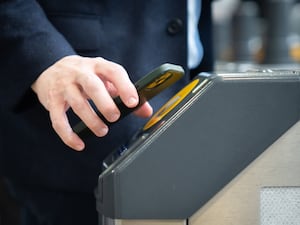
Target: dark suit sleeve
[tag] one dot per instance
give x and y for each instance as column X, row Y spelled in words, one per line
column 28, row 45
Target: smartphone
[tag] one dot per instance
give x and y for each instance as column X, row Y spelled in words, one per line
column 147, row 87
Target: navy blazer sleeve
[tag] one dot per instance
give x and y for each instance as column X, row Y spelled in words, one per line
column 28, row 45
column 34, row 34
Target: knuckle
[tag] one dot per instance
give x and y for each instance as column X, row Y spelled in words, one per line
column 94, row 126
column 52, row 93
column 120, row 68
column 89, row 84
column 114, row 69
column 71, row 58
column 51, row 96
column 87, row 81
column 117, row 69
column 56, row 125
column 108, row 111
column 111, row 113
column 98, row 60
column 76, row 103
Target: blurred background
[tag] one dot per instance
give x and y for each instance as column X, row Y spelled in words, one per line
column 263, row 33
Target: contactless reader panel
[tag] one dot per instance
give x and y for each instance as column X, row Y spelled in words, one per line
column 196, row 143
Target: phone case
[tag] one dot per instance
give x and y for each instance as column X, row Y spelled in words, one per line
column 147, row 87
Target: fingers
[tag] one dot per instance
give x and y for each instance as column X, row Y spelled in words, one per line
column 118, row 76
column 108, row 79
column 144, row 111
column 95, row 89
column 83, row 109
column 62, row 127
column 72, row 82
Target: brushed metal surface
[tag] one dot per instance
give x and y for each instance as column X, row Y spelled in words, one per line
column 238, row 203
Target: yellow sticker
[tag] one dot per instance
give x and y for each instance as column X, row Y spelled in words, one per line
column 171, row 104
column 162, row 79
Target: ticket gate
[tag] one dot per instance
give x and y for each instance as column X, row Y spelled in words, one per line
column 195, row 145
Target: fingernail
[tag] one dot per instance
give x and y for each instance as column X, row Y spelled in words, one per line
column 79, row 146
column 132, row 101
column 103, row 131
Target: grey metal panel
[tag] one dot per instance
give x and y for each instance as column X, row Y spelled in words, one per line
column 182, row 164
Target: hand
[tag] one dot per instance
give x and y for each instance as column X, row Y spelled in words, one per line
column 72, row 81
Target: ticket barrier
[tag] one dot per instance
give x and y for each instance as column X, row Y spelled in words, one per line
column 197, row 143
